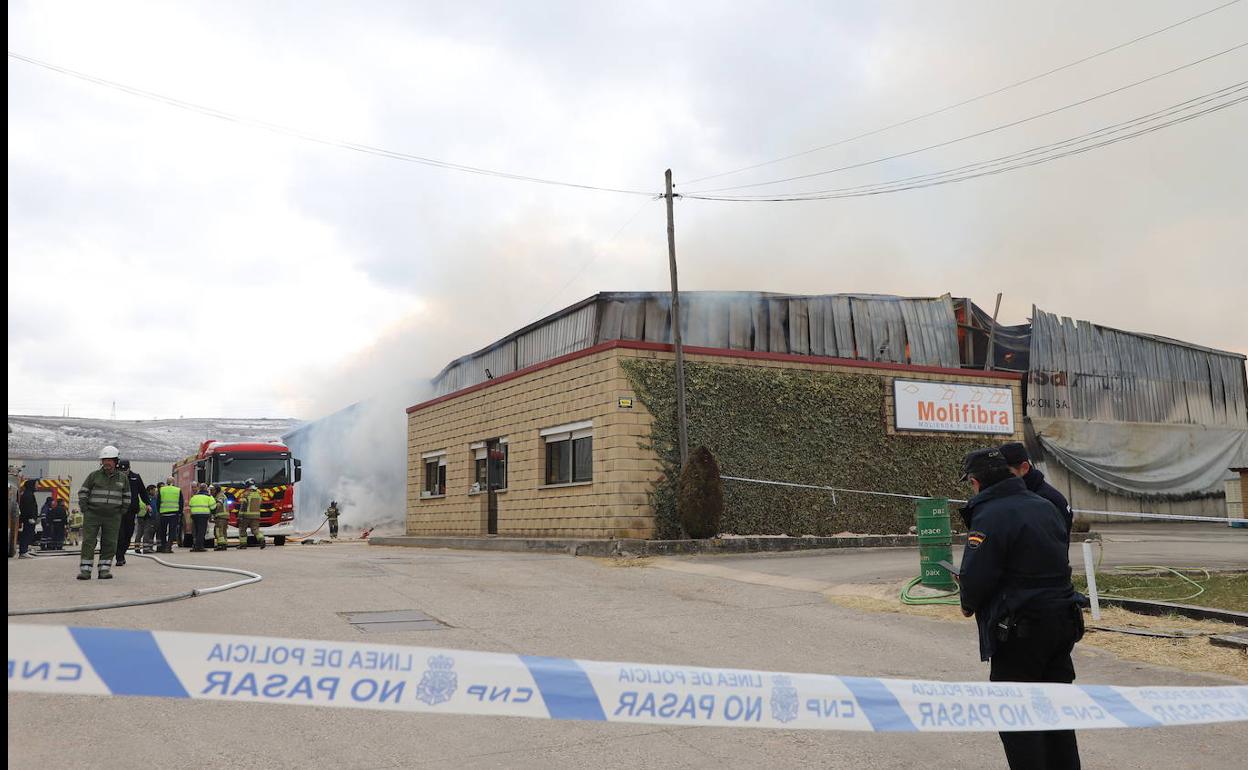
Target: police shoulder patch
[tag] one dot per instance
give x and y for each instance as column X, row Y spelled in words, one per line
column 975, row 539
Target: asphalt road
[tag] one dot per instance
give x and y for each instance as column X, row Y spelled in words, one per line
column 534, row 604
column 1174, row 545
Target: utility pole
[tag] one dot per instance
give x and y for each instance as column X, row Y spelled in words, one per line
column 682, row 421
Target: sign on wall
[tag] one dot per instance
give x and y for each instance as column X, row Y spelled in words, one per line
column 954, row 408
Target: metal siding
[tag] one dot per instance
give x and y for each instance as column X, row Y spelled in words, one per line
column 1119, row 376
column 566, row 334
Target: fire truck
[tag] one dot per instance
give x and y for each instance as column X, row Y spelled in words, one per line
column 268, row 465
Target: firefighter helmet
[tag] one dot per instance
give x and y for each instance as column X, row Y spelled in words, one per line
column 109, row 452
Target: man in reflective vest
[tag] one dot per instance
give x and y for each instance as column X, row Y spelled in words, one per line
column 201, row 505
column 220, row 518
column 249, row 516
column 171, row 505
column 103, row 498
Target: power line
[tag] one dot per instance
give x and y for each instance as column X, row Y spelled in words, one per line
column 309, row 137
column 1184, row 106
column 964, row 102
column 977, row 134
column 885, row 188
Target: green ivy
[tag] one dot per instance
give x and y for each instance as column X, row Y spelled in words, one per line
column 805, row 427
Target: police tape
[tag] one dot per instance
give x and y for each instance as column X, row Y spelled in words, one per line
column 253, row 669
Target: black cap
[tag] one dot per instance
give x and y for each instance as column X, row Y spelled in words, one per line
column 982, row 460
column 123, row 465
column 1015, row 453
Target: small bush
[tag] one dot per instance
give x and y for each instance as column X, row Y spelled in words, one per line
column 700, row 498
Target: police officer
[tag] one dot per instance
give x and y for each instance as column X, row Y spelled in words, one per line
column 249, row 515
column 1015, row 580
column 139, row 501
column 103, row 498
column 331, row 513
column 1016, row 455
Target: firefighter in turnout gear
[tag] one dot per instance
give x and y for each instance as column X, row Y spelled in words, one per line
column 331, row 513
column 249, row 516
column 103, row 498
column 220, row 519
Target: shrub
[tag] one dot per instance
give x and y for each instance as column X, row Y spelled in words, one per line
column 700, row 498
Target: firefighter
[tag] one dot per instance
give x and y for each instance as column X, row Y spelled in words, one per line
column 58, row 517
column 103, row 498
column 201, row 505
column 249, row 515
column 171, row 504
column 220, row 519
column 331, row 513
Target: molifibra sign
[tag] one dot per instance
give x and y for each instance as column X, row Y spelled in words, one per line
column 950, row 407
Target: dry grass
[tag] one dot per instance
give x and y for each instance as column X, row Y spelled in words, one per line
column 1191, row 654
column 624, row 561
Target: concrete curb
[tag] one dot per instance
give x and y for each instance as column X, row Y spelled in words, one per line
column 637, row 547
column 1145, row 607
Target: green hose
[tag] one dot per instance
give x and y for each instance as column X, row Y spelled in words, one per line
column 1128, row 568
column 949, row 597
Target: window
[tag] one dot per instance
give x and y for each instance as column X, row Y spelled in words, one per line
column 435, row 474
column 489, row 462
column 569, row 453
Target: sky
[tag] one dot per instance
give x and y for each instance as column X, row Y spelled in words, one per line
column 165, row 263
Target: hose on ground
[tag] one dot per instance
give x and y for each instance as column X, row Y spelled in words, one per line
column 251, row 577
column 948, row 597
column 1128, row 569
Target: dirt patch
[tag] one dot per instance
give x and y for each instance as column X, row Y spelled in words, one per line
column 1191, row 654
column 624, row 561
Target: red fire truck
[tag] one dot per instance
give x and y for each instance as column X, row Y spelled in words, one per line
column 231, row 465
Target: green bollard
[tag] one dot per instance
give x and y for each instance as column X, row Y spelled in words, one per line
column 935, row 542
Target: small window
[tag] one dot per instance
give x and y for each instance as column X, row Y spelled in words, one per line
column 569, row 453
column 435, row 474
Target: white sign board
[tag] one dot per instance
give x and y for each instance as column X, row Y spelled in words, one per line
column 954, row 408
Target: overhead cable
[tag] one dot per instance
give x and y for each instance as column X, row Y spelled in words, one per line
column 965, row 102
column 309, row 137
column 1211, row 102
column 1005, row 169
column 977, row 134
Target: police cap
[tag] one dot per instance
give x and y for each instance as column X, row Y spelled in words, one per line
column 1015, row 453
column 981, row 461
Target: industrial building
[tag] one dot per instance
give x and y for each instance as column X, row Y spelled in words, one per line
column 563, row 428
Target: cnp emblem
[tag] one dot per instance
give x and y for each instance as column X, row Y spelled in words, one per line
column 439, row 681
column 783, row 699
column 1043, row 707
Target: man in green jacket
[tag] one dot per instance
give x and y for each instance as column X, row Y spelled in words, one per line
column 103, row 498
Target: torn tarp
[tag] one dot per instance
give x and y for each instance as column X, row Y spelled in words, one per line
column 1143, row 460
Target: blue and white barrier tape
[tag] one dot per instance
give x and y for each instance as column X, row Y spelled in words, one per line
column 252, row 669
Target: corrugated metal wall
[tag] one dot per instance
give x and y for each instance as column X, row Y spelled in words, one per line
column 1086, row 372
column 920, row 331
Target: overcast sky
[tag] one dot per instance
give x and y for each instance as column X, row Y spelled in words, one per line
column 179, row 264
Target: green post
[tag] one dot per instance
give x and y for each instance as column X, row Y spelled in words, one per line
column 935, row 542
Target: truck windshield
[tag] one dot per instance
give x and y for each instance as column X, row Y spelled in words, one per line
column 265, row 471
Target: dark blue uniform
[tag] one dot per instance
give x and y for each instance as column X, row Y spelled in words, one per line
column 1035, row 483
column 1015, row 578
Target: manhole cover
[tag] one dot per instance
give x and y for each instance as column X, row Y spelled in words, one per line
column 390, row 621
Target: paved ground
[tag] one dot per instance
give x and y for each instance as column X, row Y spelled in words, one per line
column 539, row 604
column 1175, row 545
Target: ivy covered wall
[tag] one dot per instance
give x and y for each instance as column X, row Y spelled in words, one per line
column 794, row 425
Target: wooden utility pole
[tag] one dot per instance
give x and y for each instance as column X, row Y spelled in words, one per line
column 682, row 422
column 992, row 335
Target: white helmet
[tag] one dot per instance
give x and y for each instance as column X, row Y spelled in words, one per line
column 109, row 452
